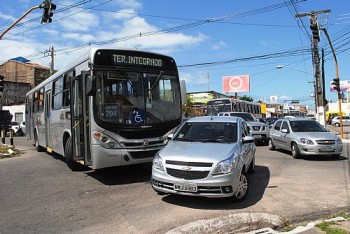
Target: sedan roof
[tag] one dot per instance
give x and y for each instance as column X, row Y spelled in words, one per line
column 214, row 118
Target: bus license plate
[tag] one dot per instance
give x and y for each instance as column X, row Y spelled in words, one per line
column 184, row 187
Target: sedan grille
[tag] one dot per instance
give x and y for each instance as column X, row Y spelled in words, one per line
column 325, row 142
column 187, row 175
column 191, row 164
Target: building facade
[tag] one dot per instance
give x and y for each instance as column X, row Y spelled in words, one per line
column 19, row 78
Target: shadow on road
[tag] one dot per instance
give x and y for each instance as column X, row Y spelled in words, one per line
column 123, row 175
column 258, row 184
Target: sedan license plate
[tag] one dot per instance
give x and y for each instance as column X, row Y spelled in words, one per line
column 184, row 187
column 326, row 149
column 257, row 136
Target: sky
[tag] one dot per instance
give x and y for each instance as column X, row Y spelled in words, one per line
column 207, row 39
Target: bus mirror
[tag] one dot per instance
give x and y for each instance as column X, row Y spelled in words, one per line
column 89, row 85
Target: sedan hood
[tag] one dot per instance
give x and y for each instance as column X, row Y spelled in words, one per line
column 317, row 135
column 198, row 151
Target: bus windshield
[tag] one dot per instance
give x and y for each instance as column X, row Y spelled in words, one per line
column 135, row 97
column 214, row 107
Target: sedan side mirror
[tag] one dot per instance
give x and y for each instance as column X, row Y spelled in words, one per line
column 248, row 139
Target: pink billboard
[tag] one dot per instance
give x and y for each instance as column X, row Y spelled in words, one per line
column 236, row 84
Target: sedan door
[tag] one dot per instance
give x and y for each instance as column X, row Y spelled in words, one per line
column 285, row 139
column 275, row 133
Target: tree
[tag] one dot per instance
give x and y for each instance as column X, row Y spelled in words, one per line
column 246, row 98
column 188, row 106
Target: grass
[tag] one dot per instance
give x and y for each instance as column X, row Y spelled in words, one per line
column 329, row 228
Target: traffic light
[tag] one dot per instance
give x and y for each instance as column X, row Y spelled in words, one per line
column 1, row 84
column 47, row 12
column 336, row 84
column 315, row 31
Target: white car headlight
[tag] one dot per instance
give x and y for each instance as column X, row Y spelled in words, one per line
column 158, row 163
column 105, row 141
column 306, row 141
column 226, row 166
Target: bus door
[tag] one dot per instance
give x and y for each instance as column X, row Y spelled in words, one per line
column 48, row 119
column 29, row 117
column 79, row 119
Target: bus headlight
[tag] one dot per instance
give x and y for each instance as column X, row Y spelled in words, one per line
column 105, row 141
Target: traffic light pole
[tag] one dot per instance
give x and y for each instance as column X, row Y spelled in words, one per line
column 338, row 83
column 19, row 19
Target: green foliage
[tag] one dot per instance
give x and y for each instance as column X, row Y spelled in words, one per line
column 329, row 229
column 247, row 98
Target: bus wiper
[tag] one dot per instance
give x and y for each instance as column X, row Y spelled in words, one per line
column 158, row 78
column 123, row 73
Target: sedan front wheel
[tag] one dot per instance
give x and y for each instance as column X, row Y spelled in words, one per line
column 242, row 188
column 295, row 151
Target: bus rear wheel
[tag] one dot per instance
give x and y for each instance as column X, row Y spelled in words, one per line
column 68, row 154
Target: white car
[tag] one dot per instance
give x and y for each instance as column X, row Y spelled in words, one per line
column 259, row 130
column 209, row 156
column 15, row 126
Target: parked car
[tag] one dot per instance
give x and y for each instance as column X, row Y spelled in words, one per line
column 23, row 127
column 259, row 130
column 15, row 126
column 336, row 121
column 208, row 156
column 304, row 136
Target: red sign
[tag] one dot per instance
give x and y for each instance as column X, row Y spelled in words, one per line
column 235, row 84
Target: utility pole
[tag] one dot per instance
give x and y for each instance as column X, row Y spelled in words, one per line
column 208, row 80
column 50, row 52
column 320, row 89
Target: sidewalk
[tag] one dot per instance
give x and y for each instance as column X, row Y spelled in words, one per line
column 337, row 131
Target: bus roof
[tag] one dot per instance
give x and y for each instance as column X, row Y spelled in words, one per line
column 87, row 55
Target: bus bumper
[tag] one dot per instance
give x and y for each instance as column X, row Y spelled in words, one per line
column 102, row 157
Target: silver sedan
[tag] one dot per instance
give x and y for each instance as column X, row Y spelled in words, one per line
column 208, row 156
column 303, row 136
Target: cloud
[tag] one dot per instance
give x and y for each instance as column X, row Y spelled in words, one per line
column 129, row 4
column 7, row 17
column 285, row 97
column 219, row 45
column 83, row 21
column 79, row 37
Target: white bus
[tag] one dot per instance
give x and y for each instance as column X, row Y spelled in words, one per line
column 109, row 108
column 232, row 105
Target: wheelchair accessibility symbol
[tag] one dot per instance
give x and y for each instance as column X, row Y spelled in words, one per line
column 137, row 117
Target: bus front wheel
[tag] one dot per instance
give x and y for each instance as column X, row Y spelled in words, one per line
column 68, row 154
column 36, row 143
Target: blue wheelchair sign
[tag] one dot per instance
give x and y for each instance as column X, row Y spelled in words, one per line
column 137, row 117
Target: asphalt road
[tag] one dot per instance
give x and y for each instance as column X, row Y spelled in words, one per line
column 39, row 194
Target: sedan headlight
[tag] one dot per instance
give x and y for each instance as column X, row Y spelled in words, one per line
column 306, row 141
column 226, row 166
column 105, row 141
column 158, row 163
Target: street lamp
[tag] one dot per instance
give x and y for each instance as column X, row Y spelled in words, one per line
column 283, row 66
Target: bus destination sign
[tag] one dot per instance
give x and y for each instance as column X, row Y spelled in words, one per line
column 119, row 59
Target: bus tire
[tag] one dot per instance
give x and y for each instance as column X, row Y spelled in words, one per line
column 68, row 154
column 36, row 143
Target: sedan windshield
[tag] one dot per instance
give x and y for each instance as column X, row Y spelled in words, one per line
column 306, row 126
column 208, row 132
